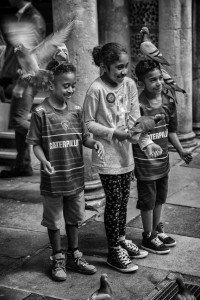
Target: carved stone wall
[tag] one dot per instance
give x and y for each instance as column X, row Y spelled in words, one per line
column 142, row 13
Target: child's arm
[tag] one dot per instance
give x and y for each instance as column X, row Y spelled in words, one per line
column 184, row 154
column 39, row 153
column 92, row 144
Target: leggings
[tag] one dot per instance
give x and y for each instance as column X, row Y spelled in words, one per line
column 117, row 191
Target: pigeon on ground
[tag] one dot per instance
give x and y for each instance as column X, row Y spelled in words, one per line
column 34, row 60
column 183, row 293
column 104, row 292
column 149, row 49
column 146, row 124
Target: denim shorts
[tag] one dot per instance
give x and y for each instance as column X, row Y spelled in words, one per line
column 71, row 207
column 152, row 193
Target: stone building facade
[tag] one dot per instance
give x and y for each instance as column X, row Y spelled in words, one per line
column 173, row 27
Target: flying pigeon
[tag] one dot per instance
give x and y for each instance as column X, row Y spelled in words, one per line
column 149, row 49
column 171, row 83
column 34, row 60
column 146, row 124
column 104, row 292
column 183, row 293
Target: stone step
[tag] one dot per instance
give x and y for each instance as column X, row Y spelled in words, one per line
column 7, row 139
column 7, row 157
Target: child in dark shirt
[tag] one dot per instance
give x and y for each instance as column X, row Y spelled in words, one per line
column 152, row 173
column 57, row 134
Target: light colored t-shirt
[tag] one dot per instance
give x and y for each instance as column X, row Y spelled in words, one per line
column 106, row 109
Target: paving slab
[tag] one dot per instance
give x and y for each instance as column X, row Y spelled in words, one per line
column 27, row 216
column 180, row 179
column 184, row 257
column 18, row 245
column 34, row 276
column 179, row 220
column 11, row 294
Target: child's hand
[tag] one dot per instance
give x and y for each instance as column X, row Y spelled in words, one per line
column 99, row 149
column 186, row 156
column 48, row 168
column 153, row 150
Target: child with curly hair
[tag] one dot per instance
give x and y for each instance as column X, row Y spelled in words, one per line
column 57, row 134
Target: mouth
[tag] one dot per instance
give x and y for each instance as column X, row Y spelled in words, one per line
column 68, row 95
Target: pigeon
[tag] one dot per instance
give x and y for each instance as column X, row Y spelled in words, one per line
column 104, row 292
column 171, row 83
column 149, row 49
column 146, row 124
column 183, row 293
column 34, row 60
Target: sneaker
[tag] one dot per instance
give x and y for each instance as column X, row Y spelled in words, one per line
column 58, row 271
column 153, row 244
column 163, row 237
column 132, row 249
column 76, row 262
column 119, row 259
column 16, row 172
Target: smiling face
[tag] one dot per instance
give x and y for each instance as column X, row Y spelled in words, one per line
column 118, row 70
column 64, row 86
column 153, row 82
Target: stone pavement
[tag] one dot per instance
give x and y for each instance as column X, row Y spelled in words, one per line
column 25, row 251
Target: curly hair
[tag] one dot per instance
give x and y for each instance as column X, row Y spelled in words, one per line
column 107, row 54
column 144, row 67
column 58, row 68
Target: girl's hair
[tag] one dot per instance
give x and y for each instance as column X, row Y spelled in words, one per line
column 144, row 67
column 58, row 68
column 107, row 54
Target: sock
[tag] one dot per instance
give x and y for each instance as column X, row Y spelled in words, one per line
column 71, row 250
column 56, row 252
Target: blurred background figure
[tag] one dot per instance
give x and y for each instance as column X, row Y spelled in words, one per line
column 22, row 97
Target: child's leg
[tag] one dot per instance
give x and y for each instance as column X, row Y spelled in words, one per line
column 54, row 238
column 161, row 196
column 112, row 188
column 125, row 191
column 72, row 237
column 52, row 216
column 156, row 215
column 147, row 220
column 74, row 215
column 146, row 203
column 118, row 257
column 132, row 249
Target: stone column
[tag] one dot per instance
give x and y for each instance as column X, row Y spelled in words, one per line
column 196, row 66
column 175, row 42
column 80, row 45
column 114, row 22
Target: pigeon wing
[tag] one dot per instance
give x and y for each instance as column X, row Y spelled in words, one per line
column 45, row 50
column 149, row 49
column 20, row 33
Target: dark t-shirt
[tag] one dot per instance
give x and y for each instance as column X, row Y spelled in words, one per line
column 60, row 133
column 156, row 168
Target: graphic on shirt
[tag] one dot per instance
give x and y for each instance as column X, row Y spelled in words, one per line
column 111, row 97
column 65, row 125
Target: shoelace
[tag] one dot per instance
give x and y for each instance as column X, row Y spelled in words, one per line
column 156, row 241
column 130, row 245
column 80, row 259
column 163, row 235
column 59, row 264
column 123, row 256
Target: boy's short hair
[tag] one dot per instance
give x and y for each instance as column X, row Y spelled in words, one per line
column 58, row 68
column 145, row 66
